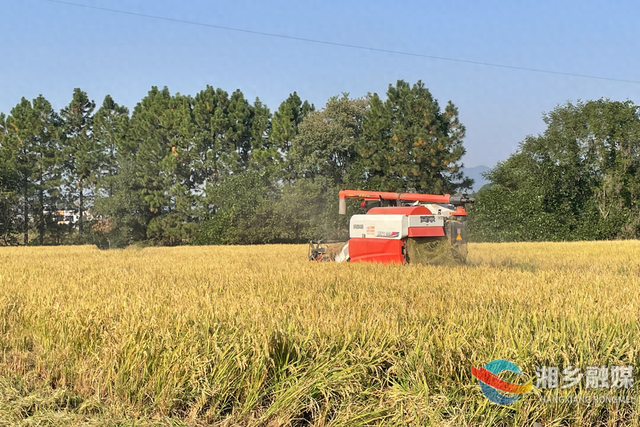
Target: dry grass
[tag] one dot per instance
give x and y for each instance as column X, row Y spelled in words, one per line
column 260, row 336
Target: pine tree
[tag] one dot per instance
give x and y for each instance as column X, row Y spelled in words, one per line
column 263, row 151
column 80, row 151
column 211, row 125
column 285, row 127
column 8, row 188
column 410, row 144
column 32, row 140
column 162, row 132
column 110, row 125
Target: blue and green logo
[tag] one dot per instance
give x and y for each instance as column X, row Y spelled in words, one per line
column 495, row 388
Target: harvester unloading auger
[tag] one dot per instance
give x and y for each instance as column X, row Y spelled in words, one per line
column 404, row 227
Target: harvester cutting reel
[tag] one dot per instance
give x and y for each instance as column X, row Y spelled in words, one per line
column 324, row 251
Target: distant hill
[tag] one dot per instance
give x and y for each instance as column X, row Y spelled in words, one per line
column 476, row 173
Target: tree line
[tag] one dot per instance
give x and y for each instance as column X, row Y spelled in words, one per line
column 578, row 180
column 215, row 168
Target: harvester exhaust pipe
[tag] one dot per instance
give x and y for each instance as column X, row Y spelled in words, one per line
column 342, row 209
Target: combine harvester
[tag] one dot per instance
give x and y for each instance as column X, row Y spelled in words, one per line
column 411, row 228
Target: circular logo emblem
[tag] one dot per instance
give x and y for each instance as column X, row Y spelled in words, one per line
column 495, row 388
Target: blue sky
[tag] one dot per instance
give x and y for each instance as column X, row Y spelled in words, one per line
column 52, row 48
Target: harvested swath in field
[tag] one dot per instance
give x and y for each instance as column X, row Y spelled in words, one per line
column 434, row 251
column 260, row 336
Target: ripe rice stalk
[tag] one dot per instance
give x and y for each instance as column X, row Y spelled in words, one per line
column 259, row 336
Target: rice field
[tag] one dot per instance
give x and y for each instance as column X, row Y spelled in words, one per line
column 259, row 336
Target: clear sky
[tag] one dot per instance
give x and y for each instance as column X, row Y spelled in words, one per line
column 51, row 48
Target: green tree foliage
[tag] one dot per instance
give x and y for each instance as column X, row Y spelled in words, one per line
column 263, row 151
column 210, row 130
column 119, row 196
column 231, row 135
column 410, row 143
column 31, row 148
column 162, row 149
column 309, row 210
column 284, row 128
column 324, row 157
column 579, row 179
column 9, row 187
column 125, row 214
column 216, row 168
column 239, row 132
column 287, row 119
column 243, row 210
column 80, row 153
column 110, row 126
column 265, row 209
column 234, row 150
column 325, row 149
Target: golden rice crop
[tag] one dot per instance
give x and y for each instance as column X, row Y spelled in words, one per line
column 259, row 336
